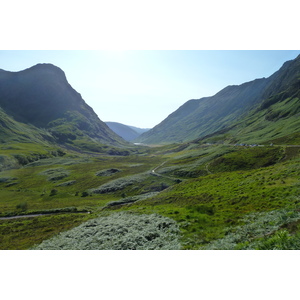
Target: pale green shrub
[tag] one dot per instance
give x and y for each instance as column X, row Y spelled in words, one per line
column 67, row 183
column 119, row 231
column 119, row 184
column 131, row 199
column 55, row 174
column 258, row 226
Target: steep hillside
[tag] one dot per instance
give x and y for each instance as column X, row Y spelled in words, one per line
column 13, row 131
column 276, row 118
column 128, row 133
column 206, row 116
column 41, row 96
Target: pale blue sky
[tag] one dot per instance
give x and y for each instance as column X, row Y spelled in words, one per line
column 141, row 88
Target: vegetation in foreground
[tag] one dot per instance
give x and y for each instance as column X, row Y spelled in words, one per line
column 218, row 196
column 119, row 231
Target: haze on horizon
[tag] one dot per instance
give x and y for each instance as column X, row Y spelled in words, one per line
column 142, row 87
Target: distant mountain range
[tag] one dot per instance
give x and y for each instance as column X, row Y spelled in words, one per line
column 38, row 104
column 259, row 110
column 128, row 133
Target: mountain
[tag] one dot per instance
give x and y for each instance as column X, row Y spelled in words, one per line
column 13, row 131
column 139, row 130
column 203, row 117
column 40, row 99
column 276, row 118
column 128, row 133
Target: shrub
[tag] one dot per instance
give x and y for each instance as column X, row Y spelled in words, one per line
column 128, row 200
column 119, row 231
column 281, row 240
column 67, row 183
column 55, row 174
column 260, row 231
column 119, row 184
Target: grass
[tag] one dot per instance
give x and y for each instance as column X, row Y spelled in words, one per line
column 221, row 185
column 34, row 182
column 278, row 123
column 24, row 233
column 204, row 206
column 247, row 159
column 260, row 231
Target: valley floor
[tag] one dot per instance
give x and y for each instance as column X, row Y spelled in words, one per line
column 181, row 196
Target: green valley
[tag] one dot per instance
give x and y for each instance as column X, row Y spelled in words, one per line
column 208, row 190
column 221, row 172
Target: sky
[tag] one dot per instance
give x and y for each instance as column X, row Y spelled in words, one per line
column 142, row 87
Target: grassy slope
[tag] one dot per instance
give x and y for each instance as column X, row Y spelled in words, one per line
column 279, row 123
column 220, row 185
column 260, row 110
column 32, row 189
column 206, row 206
column 276, row 118
column 198, row 118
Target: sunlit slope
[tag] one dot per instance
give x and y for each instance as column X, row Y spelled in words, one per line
column 275, row 119
column 206, row 116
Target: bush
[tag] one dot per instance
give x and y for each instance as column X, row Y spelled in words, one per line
column 55, row 174
column 260, row 231
column 128, row 200
column 119, row 231
column 119, row 184
column 67, row 183
column 281, row 240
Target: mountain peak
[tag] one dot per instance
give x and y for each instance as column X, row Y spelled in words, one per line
column 44, row 66
column 45, row 69
column 41, row 96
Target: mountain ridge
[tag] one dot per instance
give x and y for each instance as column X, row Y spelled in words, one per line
column 128, row 133
column 198, row 118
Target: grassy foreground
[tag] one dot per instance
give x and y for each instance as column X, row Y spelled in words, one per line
column 215, row 197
